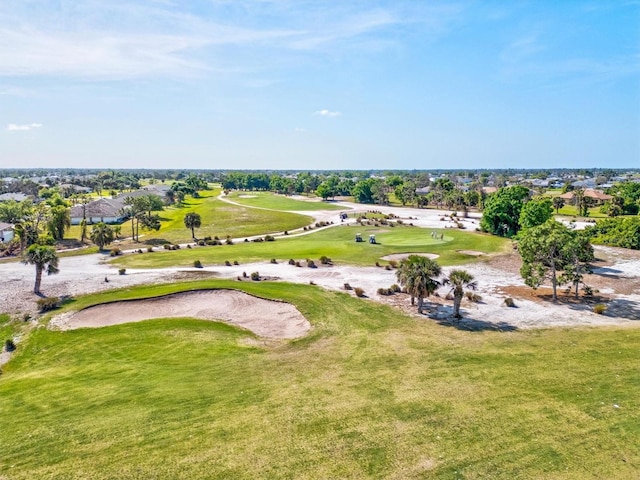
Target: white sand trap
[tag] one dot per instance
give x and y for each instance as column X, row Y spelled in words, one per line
column 247, row 196
column 473, row 253
column 398, row 257
column 266, row 318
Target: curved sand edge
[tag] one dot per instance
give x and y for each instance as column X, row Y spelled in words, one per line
column 266, row 318
column 398, row 257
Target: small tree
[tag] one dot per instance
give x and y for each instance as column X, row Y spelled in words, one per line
column 558, row 203
column 43, row 257
column 418, row 275
column 192, row 220
column 459, row 280
column 101, row 235
column 535, row 212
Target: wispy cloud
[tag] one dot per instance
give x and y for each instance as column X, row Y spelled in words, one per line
column 120, row 39
column 13, row 127
column 327, row 113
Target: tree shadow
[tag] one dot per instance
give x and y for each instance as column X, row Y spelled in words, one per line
column 605, row 271
column 443, row 314
column 156, row 242
column 623, row 308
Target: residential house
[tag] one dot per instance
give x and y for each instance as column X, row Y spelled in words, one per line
column 6, row 232
column 107, row 210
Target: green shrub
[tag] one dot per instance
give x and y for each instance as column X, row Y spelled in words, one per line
column 273, row 260
column 269, row 238
column 227, row 263
column 9, row 345
column 255, row 276
column 122, row 271
column 292, row 261
column 347, row 286
column 473, row 297
column 395, row 288
column 599, row 308
column 149, row 249
column 197, row 264
column 509, row 302
column 324, row 260
column 311, row 263
column 115, row 252
column 235, row 262
column 359, row 292
column 47, row 304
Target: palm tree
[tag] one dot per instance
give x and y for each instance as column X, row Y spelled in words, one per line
column 101, row 235
column 418, row 275
column 43, row 257
column 192, row 220
column 459, row 280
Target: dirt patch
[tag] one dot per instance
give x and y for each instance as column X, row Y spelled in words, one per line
column 398, row 257
column 247, row 196
column 266, row 318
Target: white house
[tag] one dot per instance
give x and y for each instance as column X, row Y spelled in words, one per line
column 105, row 210
column 6, row 232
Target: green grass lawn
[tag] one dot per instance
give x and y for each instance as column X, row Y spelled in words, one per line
column 336, row 242
column 218, row 218
column 370, row 393
column 279, row 202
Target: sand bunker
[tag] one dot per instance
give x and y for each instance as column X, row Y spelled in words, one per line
column 247, row 196
column 266, row 318
column 473, row 253
column 398, row 257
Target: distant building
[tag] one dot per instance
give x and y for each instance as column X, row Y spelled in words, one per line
column 105, row 210
column 6, row 232
column 18, row 197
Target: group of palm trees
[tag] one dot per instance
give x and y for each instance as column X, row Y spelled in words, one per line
column 419, row 275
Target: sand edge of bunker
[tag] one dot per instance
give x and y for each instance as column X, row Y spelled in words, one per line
column 398, row 257
column 266, row 318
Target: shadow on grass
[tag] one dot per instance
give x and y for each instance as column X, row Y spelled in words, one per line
column 154, row 242
column 443, row 314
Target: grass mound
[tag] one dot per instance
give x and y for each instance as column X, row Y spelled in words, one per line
column 370, row 393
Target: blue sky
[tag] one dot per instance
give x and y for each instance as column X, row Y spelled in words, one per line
column 305, row 84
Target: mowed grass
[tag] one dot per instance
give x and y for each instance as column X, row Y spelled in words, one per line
column 335, row 242
column 370, row 393
column 218, row 218
column 273, row 201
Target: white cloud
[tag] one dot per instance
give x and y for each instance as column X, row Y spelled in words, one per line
column 299, row 130
column 13, row 127
column 327, row 113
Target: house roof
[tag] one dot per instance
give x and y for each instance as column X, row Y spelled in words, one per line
column 18, row 197
column 489, row 190
column 104, row 207
column 588, row 192
column 5, row 226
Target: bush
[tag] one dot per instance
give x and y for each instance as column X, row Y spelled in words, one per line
column 258, row 240
column 244, row 274
column 235, row 262
column 599, row 308
column 509, row 302
column 393, row 263
column 286, row 233
column 269, row 238
column 473, row 297
column 377, row 264
column 197, row 264
column 9, row 345
column 448, row 296
column 228, row 241
column 273, row 260
column 115, row 252
column 347, row 286
column 359, row 292
column 149, row 249
column 122, row 271
column 387, row 267
column 396, row 288
column 47, row 304
column 255, row 276
column 227, row 263
column 324, row 260
column 311, row 263
column 385, row 291
column 292, row 261
column 298, row 264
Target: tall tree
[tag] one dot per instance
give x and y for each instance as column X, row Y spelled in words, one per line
column 101, row 235
column 192, row 220
column 59, row 221
column 44, row 257
column 546, row 251
column 502, row 209
column 419, row 275
column 535, row 212
column 558, row 203
column 459, row 280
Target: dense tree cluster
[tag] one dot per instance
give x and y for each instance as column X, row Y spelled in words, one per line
column 616, row 232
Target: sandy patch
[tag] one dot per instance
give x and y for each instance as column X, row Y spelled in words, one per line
column 247, row 196
column 473, row 253
column 398, row 257
column 266, row 318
